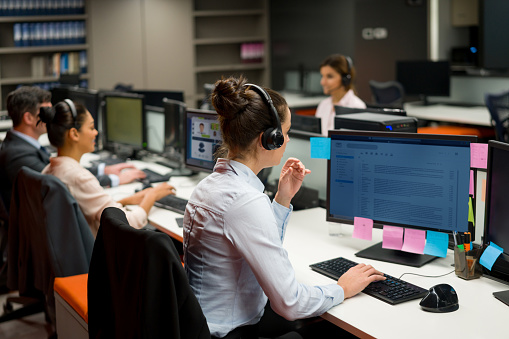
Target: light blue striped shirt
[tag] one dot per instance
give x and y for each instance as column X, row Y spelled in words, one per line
column 234, row 255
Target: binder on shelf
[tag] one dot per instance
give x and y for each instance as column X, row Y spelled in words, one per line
column 17, row 34
column 64, row 63
column 83, row 62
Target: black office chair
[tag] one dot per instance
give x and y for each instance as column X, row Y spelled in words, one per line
column 48, row 237
column 137, row 287
column 387, row 94
column 498, row 105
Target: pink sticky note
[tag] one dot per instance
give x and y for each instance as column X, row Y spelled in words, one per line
column 362, row 228
column 471, row 189
column 479, row 155
column 414, row 242
column 392, row 237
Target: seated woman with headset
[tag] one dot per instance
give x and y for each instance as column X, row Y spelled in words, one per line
column 233, row 233
column 71, row 130
column 338, row 75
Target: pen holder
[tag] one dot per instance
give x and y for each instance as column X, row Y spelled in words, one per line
column 466, row 263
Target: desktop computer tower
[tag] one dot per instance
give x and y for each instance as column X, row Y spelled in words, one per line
column 376, row 122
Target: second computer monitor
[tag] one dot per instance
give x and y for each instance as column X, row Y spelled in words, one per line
column 156, row 97
column 203, row 137
column 124, row 122
column 306, row 123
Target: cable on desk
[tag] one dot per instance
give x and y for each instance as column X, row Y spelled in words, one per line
column 427, row 276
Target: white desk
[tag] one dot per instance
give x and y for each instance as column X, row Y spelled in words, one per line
column 480, row 315
column 295, row 100
column 478, row 115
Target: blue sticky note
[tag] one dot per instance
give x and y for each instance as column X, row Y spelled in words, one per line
column 320, row 148
column 436, row 244
column 490, row 255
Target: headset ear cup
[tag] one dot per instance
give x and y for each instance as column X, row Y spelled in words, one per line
column 272, row 139
column 346, row 79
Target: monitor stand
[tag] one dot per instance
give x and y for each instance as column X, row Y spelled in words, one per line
column 502, row 296
column 376, row 252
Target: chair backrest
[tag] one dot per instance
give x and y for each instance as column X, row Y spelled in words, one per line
column 137, row 287
column 48, row 235
column 498, row 106
column 389, row 93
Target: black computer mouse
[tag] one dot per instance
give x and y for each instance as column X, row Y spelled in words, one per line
column 440, row 298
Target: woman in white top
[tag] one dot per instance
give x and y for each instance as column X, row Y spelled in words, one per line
column 71, row 129
column 338, row 75
column 233, row 233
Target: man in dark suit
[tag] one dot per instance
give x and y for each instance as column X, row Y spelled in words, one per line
column 22, row 148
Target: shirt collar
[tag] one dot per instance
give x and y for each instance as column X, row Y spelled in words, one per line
column 240, row 170
column 27, row 138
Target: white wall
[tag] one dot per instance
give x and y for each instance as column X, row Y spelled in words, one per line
column 145, row 43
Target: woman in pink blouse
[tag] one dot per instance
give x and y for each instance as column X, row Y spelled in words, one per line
column 71, row 129
column 338, row 75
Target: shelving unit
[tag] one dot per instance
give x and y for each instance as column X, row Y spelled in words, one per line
column 220, row 30
column 15, row 62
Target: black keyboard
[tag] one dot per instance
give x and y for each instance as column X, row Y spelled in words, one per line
column 154, row 176
column 172, row 203
column 392, row 290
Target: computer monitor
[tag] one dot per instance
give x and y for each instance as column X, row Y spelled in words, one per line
column 306, row 123
column 155, row 124
column 203, row 137
column 418, row 181
column 424, row 78
column 496, row 228
column 124, row 123
column 340, row 110
column 311, row 83
column 155, row 97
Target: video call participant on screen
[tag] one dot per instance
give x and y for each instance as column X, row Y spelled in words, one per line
column 338, row 75
column 71, row 130
column 233, row 233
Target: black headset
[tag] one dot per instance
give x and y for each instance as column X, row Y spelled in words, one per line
column 272, row 138
column 346, row 79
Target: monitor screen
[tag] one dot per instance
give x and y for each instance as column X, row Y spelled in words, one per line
column 203, row 137
column 124, row 119
column 311, row 85
column 306, row 123
column 496, row 228
column 155, row 126
column 155, row 97
column 424, row 78
column 408, row 180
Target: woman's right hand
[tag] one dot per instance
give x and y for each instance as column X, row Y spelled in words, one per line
column 162, row 190
column 357, row 278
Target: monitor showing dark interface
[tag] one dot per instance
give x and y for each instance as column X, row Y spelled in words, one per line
column 424, row 78
column 418, row 181
column 155, row 97
column 124, row 123
column 87, row 97
column 203, row 137
column 306, row 123
column 340, row 110
column 496, row 228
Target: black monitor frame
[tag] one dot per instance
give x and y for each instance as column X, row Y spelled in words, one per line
column 306, row 123
column 376, row 251
column 424, row 78
column 341, row 110
column 500, row 269
column 123, row 148
column 156, row 97
column 191, row 163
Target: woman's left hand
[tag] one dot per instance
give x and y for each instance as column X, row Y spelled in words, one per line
column 290, row 180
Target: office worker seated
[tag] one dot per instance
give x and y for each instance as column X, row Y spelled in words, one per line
column 71, row 130
column 233, row 233
column 22, row 148
column 338, row 75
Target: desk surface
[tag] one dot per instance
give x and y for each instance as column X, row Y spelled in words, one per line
column 300, row 100
column 478, row 115
column 307, row 241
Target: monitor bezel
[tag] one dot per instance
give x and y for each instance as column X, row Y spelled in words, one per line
column 502, row 261
column 109, row 144
column 376, row 223
column 314, row 121
column 419, row 64
column 187, row 165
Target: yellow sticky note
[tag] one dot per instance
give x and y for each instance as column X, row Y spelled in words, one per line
column 470, row 211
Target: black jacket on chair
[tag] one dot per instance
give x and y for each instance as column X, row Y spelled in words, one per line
column 137, row 287
column 48, row 235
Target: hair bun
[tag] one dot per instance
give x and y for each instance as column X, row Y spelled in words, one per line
column 46, row 114
column 229, row 97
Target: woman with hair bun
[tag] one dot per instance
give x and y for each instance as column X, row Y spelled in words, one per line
column 71, row 130
column 338, row 76
column 233, row 233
